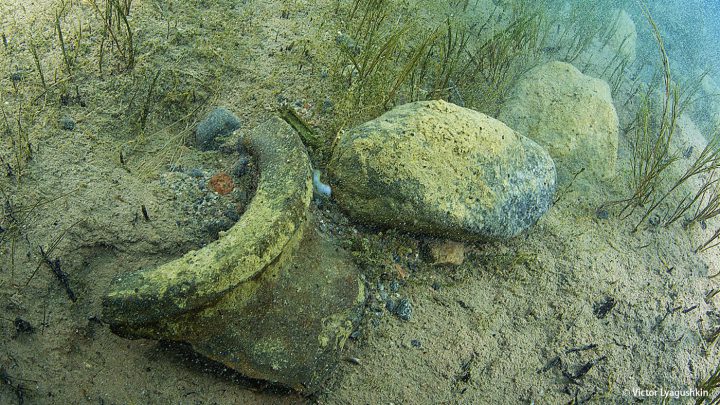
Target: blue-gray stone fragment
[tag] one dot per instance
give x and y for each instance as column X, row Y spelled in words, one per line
column 220, row 122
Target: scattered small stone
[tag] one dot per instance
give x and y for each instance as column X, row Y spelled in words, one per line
column 403, row 309
column 416, row 343
column 195, row 172
column 67, row 123
column 241, row 166
column 602, row 213
column 446, row 252
column 328, row 106
column 232, row 214
column 355, row 335
column 220, row 122
column 390, row 305
column 436, row 286
column 654, row 220
column 394, row 286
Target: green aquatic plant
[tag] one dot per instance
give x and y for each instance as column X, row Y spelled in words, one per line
column 384, row 61
column 17, row 134
column 708, row 387
column 651, row 137
column 116, row 30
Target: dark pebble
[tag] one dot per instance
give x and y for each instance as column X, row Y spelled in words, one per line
column 328, row 106
column 390, row 305
column 241, row 166
column 654, row 220
column 195, row 172
column 67, row 123
column 394, row 286
column 355, row 335
column 436, row 286
column 403, row 309
column 220, row 122
column 602, row 213
column 415, row 343
column 232, row 214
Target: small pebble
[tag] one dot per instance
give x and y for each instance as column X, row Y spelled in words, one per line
column 654, row 220
column 232, row 214
column 241, row 166
column 195, row 172
column 436, row 286
column 328, row 106
column 394, row 286
column 602, row 213
column 415, row 343
column 403, row 309
column 220, row 122
column 67, row 123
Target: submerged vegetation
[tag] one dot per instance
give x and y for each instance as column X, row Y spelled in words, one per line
column 414, row 55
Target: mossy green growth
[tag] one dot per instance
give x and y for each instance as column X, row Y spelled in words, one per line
column 436, row 168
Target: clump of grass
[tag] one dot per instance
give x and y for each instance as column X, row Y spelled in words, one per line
column 116, row 31
column 652, row 135
column 17, row 135
column 708, row 386
column 400, row 60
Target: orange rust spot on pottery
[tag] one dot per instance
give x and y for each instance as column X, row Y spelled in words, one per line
column 222, row 183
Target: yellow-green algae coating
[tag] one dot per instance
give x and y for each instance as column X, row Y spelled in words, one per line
column 442, row 163
column 273, row 218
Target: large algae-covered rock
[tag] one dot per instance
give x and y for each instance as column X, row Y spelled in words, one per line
column 569, row 114
column 271, row 298
column 437, row 168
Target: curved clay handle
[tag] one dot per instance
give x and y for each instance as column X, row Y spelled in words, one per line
column 273, row 219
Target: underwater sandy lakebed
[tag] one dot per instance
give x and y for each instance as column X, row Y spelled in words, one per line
column 355, row 202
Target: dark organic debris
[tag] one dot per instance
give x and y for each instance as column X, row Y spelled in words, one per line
column 54, row 265
column 17, row 388
column 582, row 371
column 465, row 374
column 581, row 349
column 23, row 326
column 602, row 308
column 145, row 212
column 554, row 362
